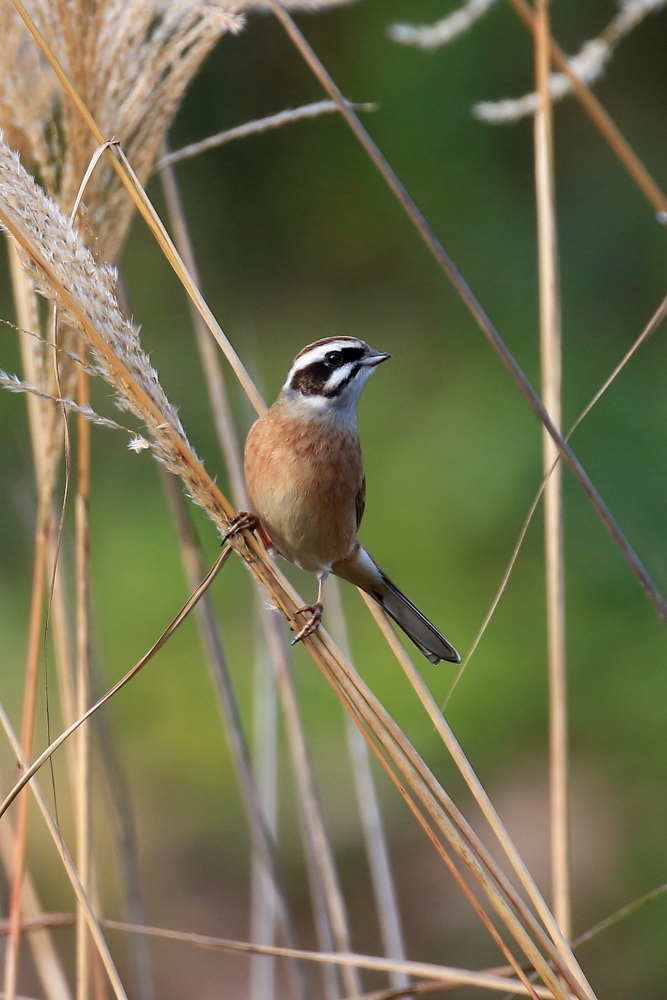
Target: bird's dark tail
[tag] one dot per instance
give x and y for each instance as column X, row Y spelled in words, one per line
column 362, row 571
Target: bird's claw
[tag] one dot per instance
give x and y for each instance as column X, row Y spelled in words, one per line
column 243, row 521
column 315, row 610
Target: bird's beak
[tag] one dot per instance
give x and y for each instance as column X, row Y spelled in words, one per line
column 374, row 358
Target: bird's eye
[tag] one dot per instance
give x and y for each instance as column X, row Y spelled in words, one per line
column 334, row 359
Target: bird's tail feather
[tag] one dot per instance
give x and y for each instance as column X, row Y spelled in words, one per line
column 416, row 626
column 362, row 571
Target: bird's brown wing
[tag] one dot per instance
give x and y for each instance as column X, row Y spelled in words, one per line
column 360, row 502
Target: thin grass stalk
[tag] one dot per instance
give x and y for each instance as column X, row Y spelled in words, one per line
column 83, row 776
column 416, row 774
column 319, row 853
column 444, row 854
column 256, row 127
column 463, row 289
column 263, row 840
column 265, row 766
column 375, row 841
column 459, row 977
column 118, row 801
column 44, row 954
column 448, row 738
column 40, row 414
column 550, row 353
column 150, row 405
column 70, row 868
column 601, row 119
column 13, row 946
column 328, row 904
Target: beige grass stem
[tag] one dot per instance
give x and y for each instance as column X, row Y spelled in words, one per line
column 601, row 119
column 27, row 735
column 550, row 354
column 255, row 127
column 459, row 977
column 480, row 795
column 68, row 864
column 650, row 328
column 375, row 841
column 36, row 923
column 83, row 776
column 261, row 834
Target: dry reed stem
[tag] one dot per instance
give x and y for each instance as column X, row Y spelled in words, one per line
column 652, row 325
column 27, row 734
column 69, row 865
column 475, row 786
column 550, row 354
column 601, row 119
column 265, row 762
column 588, row 64
column 460, row 977
column 328, row 903
column 84, row 857
column 375, row 841
column 475, row 308
column 261, row 832
column 255, row 127
column 36, row 923
column 148, row 401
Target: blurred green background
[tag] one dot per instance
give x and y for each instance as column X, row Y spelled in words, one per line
column 298, row 238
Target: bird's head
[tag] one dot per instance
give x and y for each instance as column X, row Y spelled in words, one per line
column 328, row 376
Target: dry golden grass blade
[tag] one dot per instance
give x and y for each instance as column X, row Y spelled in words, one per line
column 27, row 735
column 36, row 923
column 85, row 293
column 66, row 859
column 459, row 977
column 650, row 328
column 84, row 858
column 480, row 795
column 601, row 120
column 550, row 353
column 375, row 842
column 255, row 127
column 261, row 834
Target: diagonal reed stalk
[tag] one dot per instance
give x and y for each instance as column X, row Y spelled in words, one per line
column 452, row 976
column 600, row 118
column 70, row 868
column 375, row 842
column 550, row 352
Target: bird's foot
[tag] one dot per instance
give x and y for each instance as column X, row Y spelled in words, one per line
column 315, row 611
column 243, row 521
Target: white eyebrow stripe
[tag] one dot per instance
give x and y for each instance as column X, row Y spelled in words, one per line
column 319, row 354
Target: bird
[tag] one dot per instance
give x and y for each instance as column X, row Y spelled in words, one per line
column 307, row 489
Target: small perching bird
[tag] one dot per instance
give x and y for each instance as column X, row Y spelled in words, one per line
column 307, row 488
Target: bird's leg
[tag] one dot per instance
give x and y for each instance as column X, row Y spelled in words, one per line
column 315, row 611
column 243, row 521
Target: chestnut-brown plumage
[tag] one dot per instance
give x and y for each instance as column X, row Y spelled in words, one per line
column 306, row 485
